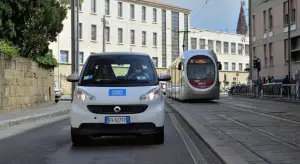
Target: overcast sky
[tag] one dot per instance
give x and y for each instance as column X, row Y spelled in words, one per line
column 215, row 15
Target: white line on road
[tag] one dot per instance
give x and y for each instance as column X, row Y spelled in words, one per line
column 279, row 118
column 195, row 153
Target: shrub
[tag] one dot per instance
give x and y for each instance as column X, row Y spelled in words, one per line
column 8, row 49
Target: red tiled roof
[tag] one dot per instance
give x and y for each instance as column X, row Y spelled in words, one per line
column 164, row 4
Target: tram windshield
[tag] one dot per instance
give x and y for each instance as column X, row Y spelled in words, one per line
column 201, row 71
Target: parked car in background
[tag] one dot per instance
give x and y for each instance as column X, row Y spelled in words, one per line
column 57, row 95
column 163, row 86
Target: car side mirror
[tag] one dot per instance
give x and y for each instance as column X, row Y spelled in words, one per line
column 72, row 78
column 219, row 66
column 164, row 77
column 179, row 66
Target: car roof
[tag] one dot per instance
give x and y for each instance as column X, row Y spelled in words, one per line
column 120, row 53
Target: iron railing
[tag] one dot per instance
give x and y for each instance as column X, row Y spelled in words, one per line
column 270, row 90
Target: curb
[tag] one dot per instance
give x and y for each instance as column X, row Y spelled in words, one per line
column 226, row 154
column 8, row 123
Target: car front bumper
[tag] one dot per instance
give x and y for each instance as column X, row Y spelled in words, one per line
column 150, row 121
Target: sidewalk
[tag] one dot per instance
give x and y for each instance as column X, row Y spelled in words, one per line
column 65, row 98
column 228, row 150
column 32, row 115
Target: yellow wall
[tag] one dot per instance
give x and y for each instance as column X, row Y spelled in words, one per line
column 241, row 78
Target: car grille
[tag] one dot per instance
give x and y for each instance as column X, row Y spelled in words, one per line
column 109, row 109
column 115, row 129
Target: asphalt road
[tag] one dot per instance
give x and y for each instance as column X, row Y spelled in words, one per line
column 51, row 144
column 261, row 131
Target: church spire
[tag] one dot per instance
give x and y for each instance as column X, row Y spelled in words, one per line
column 242, row 25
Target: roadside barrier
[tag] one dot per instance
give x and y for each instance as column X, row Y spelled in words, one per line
column 270, row 90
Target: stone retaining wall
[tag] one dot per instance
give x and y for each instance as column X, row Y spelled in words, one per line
column 24, row 84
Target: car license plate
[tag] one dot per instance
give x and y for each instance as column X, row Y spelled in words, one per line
column 117, row 120
column 117, row 92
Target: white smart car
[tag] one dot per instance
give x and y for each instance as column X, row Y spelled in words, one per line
column 118, row 93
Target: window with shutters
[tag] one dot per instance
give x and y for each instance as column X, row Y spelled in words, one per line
column 193, row 43
column 233, row 48
column 226, row 46
column 202, row 43
column 218, row 46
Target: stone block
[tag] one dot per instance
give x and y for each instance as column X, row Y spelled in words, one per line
column 4, row 101
column 25, row 81
column 24, row 106
column 12, row 101
column 1, row 109
column 25, row 68
column 8, row 73
column 19, row 66
column 20, row 81
column 6, row 91
column 21, row 73
column 13, row 91
column 6, row 81
column 18, row 106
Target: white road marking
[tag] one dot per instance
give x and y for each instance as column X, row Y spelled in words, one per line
column 279, row 118
column 195, row 153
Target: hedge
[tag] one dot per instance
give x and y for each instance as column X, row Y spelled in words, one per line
column 46, row 61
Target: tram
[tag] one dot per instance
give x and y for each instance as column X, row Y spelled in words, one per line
column 195, row 76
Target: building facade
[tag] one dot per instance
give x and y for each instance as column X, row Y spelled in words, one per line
column 270, row 34
column 134, row 26
column 232, row 51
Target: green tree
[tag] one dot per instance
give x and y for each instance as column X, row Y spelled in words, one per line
column 6, row 25
column 31, row 24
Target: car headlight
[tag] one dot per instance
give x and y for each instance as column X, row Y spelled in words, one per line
column 83, row 95
column 153, row 94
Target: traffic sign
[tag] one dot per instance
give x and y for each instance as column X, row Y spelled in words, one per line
column 234, row 78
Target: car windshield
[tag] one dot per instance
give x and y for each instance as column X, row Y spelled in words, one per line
column 119, row 70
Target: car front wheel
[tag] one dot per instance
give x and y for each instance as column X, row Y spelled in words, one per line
column 159, row 137
column 78, row 139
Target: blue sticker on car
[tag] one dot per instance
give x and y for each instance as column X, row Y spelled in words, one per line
column 117, row 92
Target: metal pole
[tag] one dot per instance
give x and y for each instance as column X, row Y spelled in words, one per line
column 77, row 39
column 74, row 40
column 250, row 40
column 58, row 58
column 289, row 39
column 103, row 35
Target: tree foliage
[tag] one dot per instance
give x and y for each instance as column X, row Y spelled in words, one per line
column 31, row 25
